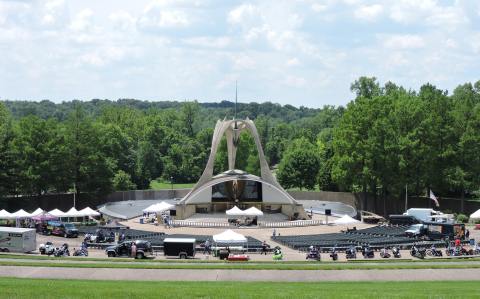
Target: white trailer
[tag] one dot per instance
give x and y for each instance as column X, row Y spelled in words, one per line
column 14, row 239
column 429, row 215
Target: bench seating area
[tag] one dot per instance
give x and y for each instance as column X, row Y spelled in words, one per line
column 376, row 237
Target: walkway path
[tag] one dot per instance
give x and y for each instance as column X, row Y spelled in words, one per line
column 239, row 275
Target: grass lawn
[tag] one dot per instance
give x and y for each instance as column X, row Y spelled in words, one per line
column 158, row 185
column 39, row 288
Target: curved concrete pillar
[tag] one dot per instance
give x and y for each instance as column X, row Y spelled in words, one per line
column 232, row 129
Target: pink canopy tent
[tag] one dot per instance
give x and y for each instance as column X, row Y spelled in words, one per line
column 44, row 217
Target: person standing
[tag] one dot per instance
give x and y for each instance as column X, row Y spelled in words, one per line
column 264, row 248
column 206, row 249
column 133, row 249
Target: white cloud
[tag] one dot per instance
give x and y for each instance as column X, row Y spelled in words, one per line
column 82, row 21
column 243, row 14
column 294, row 81
column 293, row 62
column 368, row 12
column 122, row 20
column 407, row 41
column 209, row 42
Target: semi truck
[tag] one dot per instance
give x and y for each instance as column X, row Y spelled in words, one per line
column 14, row 239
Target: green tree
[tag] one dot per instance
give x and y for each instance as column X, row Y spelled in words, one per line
column 89, row 169
column 299, row 166
column 122, row 181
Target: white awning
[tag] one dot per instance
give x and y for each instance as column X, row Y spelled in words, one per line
column 5, row 215
column 253, row 212
column 37, row 212
column 346, row 220
column 21, row 214
column 57, row 213
column 72, row 213
column 229, row 237
column 475, row 215
column 88, row 212
column 159, row 207
column 235, row 211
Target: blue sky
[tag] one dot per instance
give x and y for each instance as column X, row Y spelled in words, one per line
column 290, row 52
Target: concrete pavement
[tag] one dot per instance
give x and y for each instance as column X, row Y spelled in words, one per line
column 239, row 275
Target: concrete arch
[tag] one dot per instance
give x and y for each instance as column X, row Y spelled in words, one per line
column 196, row 198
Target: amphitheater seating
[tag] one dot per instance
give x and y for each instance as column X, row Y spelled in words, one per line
column 375, row 237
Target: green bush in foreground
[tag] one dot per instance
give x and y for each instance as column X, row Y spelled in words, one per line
column 42, row 288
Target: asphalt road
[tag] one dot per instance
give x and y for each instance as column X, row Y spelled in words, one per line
column 240, row 275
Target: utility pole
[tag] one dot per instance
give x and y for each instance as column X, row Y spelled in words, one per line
column 406, row 197
column 74, row 194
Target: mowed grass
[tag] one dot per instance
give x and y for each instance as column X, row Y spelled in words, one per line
column 158, row 185
column 42, row 288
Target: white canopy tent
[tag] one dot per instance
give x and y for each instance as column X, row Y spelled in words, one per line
column 475, row 215
column 235, row 211
column 5, row 215
column 72, row 213
column 57, row 213
column 230, row 237
column 252, row 212
column 346, row 220
column 158, row 207
column 88, row 212
column 37, row 212
column 21, row 214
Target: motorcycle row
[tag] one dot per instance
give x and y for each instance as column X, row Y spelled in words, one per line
column 351, row 253
column 385, row 252
column 49, row 249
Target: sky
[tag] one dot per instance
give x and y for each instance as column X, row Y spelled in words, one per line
column 303, row 53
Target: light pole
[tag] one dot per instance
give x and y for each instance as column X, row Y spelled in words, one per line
column 74, row 194
column 171, row 182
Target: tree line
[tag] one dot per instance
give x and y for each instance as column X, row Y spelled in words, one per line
column 385, row 139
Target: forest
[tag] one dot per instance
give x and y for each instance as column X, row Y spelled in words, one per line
column 385, row 139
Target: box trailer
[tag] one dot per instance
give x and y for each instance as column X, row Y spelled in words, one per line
column 14, row 239
column 181, row 247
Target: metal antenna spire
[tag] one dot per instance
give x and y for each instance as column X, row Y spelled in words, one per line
column 236, row 94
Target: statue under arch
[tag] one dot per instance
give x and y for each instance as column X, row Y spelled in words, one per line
column 236, row 187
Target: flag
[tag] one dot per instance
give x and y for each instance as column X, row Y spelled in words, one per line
column 434, row 198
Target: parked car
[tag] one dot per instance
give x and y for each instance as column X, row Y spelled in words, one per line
column 67, row 230
column 124, row 249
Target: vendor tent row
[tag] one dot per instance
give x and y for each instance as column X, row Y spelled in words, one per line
column 40, row 214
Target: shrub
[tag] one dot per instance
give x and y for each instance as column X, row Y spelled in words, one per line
column 462, row 218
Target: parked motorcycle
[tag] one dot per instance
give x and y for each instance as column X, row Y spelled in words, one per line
column 396, row 252
column 384, row 253
column 313, row 254
column 80, row 252
column 368, row 252
column 351, row 253
column 277, row 254
column 47, row 248
column 432, row 251
column 417, row 252
column 334, row 254
column 62, row 251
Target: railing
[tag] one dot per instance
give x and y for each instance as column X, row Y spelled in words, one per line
column 296, row 223
column 188, row 223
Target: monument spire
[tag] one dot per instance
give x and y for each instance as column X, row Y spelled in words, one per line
column 236, row 98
